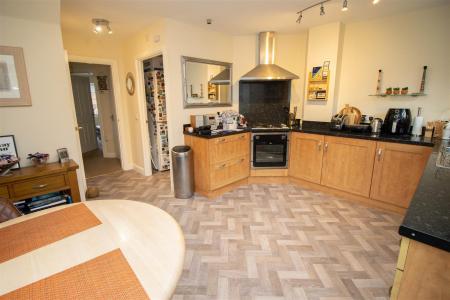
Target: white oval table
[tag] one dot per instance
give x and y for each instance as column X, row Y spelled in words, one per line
column 150, row 239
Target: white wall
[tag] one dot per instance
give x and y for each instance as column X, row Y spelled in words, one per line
column 400, row 45
column 324, row 44
column 49, row 123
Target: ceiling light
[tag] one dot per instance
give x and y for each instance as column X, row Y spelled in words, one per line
column 101, row 25
column 375, row 1
column 322, row 9
column 344, row 5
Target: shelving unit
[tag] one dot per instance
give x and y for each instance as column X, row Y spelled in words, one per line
column 399, row 95
column 317, row 87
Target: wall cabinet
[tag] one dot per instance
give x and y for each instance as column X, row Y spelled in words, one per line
column 219, row 161
column 305, row 156
column 397, row 172
column 348, row 164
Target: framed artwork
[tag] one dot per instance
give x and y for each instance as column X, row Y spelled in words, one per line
column 102, row 82
column 14, row 90
column 8, row 147
column 63, row 155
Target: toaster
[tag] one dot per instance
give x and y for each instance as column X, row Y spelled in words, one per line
column 338, row 122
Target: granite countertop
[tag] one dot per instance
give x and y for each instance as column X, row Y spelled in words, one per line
column 324, row 129
column 427, row 219
column 220, row 134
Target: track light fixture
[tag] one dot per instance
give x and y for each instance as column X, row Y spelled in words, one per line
column 322, row 8
column 344, row 5
column 101, row 26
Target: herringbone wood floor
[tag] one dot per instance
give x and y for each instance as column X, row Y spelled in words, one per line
column 266, row 241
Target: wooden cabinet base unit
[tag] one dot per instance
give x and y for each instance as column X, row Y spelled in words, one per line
column 305, row 156
column 422, row 272
column 35, row 181
column 220, row 163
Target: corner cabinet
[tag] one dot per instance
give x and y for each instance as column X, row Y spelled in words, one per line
column 219, row 162
column 397, row 172
column 305, row 156
column 348, row 164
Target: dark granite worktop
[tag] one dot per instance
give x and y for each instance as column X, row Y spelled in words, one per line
column 324, row 129
column 220, row 134
column 427, row 219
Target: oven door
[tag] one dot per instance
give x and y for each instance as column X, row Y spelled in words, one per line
column 269, row 150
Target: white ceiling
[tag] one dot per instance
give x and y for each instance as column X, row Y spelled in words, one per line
column 230, row 16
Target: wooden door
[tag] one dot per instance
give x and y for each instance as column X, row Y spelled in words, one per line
column 305, row 158
column 85, row 112
column 397, row 172
column 348, row 164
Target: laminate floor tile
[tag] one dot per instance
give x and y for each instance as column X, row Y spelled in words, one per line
column 270, row 241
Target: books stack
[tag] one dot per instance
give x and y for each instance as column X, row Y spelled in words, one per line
column 42, row 202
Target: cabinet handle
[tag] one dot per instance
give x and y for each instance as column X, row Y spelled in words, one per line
column 222, row 166
column 241, row 160
column 242, row 137
column 379, row 153
column 326, row 147
column 39, row 186
column 319, row 146
column 222, row 140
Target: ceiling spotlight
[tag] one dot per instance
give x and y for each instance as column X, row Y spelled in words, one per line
column 375, row 1
column 344, row 5
column 322, row 9
column 300, row 16
column 101, row 25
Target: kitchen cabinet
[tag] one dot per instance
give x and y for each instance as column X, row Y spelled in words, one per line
column 421, row 273
column 305, row 156
column 219, row 161
column 348, row 164
column 397, row 172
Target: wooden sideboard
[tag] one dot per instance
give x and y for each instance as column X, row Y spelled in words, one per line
column 35, row 181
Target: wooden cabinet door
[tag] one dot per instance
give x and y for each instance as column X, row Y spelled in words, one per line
column 226, row 148
column 225, row 173
column 305, row 159
column 348, row 164
column 397, row 172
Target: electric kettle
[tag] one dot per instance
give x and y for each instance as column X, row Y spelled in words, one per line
column 376, row 124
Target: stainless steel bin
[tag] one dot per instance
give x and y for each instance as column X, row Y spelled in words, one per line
column 183, row 171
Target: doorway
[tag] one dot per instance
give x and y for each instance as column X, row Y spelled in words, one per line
column 96, row 116
column 155, row 97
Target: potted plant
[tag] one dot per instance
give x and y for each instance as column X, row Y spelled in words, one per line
column 389, row 91
column 404, row 91
column 38, row 159
column 396, row 91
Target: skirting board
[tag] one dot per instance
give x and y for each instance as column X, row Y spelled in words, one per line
column 269, row 172
column 139, row 169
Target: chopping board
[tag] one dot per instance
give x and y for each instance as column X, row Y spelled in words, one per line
column 353, row 114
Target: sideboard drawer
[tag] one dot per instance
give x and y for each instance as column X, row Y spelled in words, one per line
column 4, row 192
column 38, row 186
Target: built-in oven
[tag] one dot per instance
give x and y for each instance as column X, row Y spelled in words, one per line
column 269, row 150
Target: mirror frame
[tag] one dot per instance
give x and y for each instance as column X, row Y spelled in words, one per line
column 184, row 60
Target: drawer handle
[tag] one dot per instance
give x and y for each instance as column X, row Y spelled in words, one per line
column 39, row 186
column 242, row 137
column 379, row 153
column 241, row 160
column 222, row 140
column 222, row 166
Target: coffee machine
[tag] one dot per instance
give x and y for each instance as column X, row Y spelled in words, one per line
column 397, row 121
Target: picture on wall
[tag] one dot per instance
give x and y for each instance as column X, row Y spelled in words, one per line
column 8, row 147
column 14, row 90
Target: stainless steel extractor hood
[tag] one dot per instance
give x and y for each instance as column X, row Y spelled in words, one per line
column 223, row 77
column 267, row 69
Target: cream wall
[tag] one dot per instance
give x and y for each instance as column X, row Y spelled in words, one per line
column 290, row 54
column 400, row 45
column 49, row 123
column 187, row 40
column 324, row 44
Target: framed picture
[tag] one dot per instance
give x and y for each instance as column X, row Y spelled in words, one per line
column 8, row 147
column 102, row 83
column 14, row 90
column 63, row 155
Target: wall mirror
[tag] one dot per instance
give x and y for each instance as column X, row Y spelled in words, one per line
column 206, row 83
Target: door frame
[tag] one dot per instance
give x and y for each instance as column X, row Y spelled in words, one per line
column 142, row 106
column 120, row 118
